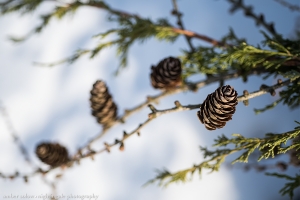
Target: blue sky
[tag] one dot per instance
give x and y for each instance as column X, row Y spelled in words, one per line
column 51, row 104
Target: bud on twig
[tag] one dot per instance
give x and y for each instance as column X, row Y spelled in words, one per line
column 122, row 147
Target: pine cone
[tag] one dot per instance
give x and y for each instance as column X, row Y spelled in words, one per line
column 167, row 74
column 218, row 107
column 52, row 154
column 103, row 107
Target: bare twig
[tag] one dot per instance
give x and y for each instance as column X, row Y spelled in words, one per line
column 14, row 134
column 260, row 20
column 199, row 36
column 180, row 24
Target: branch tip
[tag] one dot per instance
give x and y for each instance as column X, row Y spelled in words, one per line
column 125, row 135
column 152, row 108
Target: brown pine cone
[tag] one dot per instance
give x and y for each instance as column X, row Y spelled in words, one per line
column 52, row 154
column 102, row 104
column 167, row 74
column 218, row 107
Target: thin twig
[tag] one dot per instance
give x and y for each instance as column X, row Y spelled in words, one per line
column 238, row 4
column 240, row 98
column 180, row 24
column 199, row 36
column 14, row 134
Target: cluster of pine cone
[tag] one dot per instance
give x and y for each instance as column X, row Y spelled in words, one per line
column 166, row 75
column 215, row 111
column 218, row 107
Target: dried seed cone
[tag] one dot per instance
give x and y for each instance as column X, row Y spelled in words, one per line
column 218, row 107
column 52, row 154
column 167, row 74
column 103, row 107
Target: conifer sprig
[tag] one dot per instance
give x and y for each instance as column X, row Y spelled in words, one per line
column 131, row 27
column 231, row 57
column 288, row 189
column 240, row 143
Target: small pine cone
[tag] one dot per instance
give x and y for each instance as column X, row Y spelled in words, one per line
column 52, row 154
column 167, row 74
column 102, row 104
column 218, row 107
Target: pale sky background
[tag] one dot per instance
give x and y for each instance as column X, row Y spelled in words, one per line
column 52, row 104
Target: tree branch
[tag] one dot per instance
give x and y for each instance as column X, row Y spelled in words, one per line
column 189, row 34
column 217, row 157
column 156, row 98
column 178, row 107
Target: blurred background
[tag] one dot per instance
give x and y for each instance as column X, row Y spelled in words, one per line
column 52, row 104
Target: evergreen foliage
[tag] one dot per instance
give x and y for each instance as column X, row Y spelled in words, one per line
column 274, row 56
column 245, row 146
